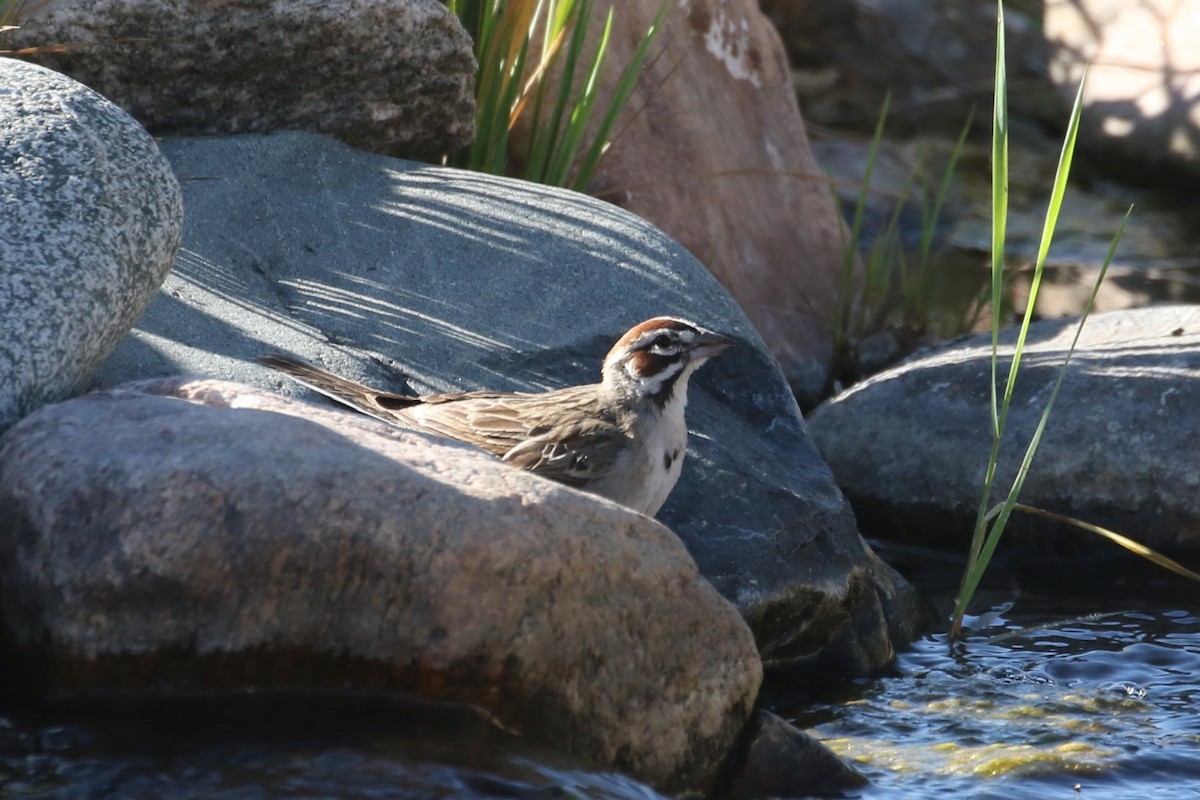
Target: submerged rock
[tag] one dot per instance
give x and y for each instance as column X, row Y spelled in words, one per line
column 780, row 760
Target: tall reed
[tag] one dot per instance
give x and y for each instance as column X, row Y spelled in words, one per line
column 990, row 521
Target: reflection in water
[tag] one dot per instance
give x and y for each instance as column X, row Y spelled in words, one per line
column 246, row 749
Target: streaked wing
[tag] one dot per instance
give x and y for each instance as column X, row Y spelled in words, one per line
column 575, row 456
column 523, row 429
column 500, row 422
column 385, row 406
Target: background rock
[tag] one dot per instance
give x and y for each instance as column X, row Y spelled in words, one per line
column 716, row 155
column 92, row 220
column 392, row 76
column 419, row 278
column 242, row 539
column 1140, row 101
column 935, row 58
column 909, row 446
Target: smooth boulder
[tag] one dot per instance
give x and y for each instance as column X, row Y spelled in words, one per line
column 202, row 535
column 910, row 445
column 417, row 278
column 92, row 219
column 715, row 153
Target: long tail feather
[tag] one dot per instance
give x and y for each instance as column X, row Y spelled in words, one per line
column 358, row 396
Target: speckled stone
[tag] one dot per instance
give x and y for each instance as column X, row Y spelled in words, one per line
column 92, row 220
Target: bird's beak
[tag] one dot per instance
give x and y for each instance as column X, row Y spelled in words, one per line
column 709, row 344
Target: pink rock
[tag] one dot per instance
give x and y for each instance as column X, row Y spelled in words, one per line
column 716, row 155
column 215, row 537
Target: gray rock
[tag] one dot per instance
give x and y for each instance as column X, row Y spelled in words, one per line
column 240, row 538
column 92, row 220
column 387, row 76
column 934, row 57
column 782, row 761
column 412, row 277
column 909, row 446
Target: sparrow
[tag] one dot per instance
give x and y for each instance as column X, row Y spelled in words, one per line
column 623, row 438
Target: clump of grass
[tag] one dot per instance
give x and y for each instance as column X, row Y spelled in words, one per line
column 557, row 95
column 894, row 289
column 990, row 520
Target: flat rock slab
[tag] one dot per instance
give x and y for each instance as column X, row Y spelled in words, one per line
column 910, row 445
column 216, row 536
column 417, row 278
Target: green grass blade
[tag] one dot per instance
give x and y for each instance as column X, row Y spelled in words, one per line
column 1051, row 222
column 12, row 10
column 885, row 263
column 620, row 99
column 559, row 18
column 500, row 33
column 581, row 109
column 564, row 155
column 923, row 287
column 999, row 198
column 999, row 225
column 974, row 575
column 574, row 17
column 565, row 96
column 493, row 134
column 843, row 317
column 555, row 117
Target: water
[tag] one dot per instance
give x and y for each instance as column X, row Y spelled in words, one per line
column 254, row 748
column 1094, row 697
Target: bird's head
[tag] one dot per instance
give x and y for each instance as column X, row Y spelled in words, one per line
column 654, row 359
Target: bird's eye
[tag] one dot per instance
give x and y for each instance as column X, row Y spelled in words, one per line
column 661, row 342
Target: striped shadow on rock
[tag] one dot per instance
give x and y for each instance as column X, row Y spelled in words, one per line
column 416, row 278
